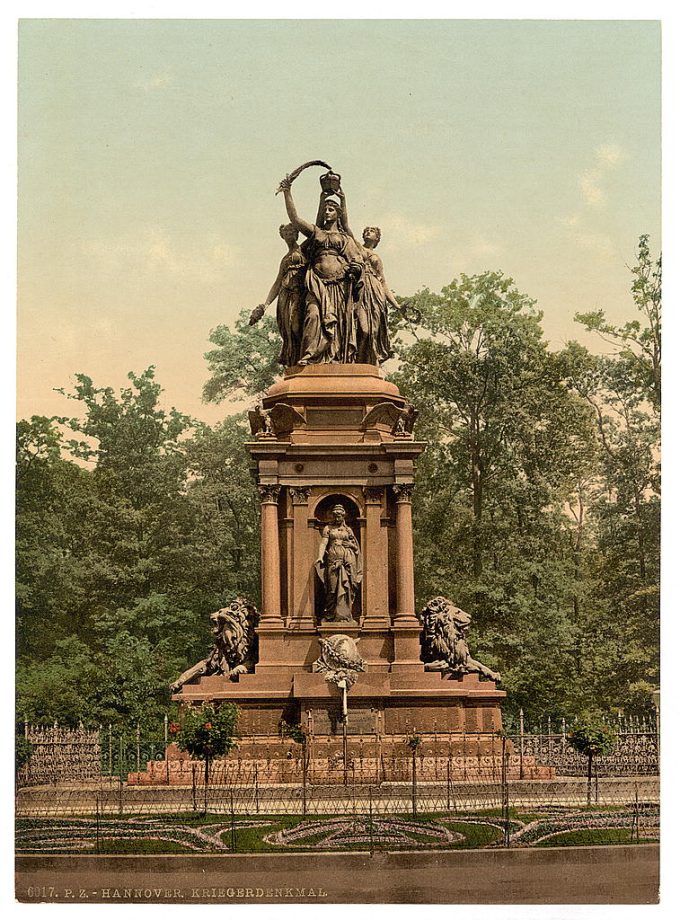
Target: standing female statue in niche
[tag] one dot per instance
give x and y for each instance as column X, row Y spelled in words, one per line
column 339, row 566
column 373, row 337
column 332, row 281
column 288, row 290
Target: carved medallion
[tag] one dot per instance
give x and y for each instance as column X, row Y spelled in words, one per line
column 339, row 660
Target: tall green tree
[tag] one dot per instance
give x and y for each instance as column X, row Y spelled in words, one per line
column 637, row 344
column 53, row 496
column 225, row 507
column 623, row 389
column 509, row 445
column 130, row 531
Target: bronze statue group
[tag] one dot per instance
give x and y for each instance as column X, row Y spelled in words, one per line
column 331, row 293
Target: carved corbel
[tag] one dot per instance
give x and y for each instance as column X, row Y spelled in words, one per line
column 374, row 494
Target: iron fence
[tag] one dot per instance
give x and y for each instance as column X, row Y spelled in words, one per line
column 633, row 754
column 419, row 798
column 80, row 756
column 61, row 755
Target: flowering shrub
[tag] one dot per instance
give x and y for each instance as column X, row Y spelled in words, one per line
column 209, row 731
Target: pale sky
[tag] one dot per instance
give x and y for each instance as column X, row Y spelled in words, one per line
column 149, row 153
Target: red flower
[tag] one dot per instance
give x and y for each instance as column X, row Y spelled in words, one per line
column 208, row 725
column 173, row 728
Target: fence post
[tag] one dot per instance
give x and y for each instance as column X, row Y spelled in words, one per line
column 206, row 780
column 54, row 753
column 521, row 744
column 233, row 823
column 138, row 750
column 505, row 792
column 165, row 729
column 96, row 805
column 378, row 753
column 257, row 791
column 657, row 727
column 549, row 741
column 635, row 823
column 120, row 795
column 414, row 783
column 110, row 750
column 370, row 819
column 28, row 762
column 193, row 786
column 304, row 779
column 448, row 783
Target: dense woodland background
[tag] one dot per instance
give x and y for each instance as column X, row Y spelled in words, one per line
column 536, row 509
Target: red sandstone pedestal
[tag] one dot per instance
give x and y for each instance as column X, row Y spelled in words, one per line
column 337, row 440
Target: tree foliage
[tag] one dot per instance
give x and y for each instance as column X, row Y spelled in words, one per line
column 133, row 524
column 537, row 509
column 208, row 731
column 592, row 738
column 623, row 391
column 509, row 446
column 245, row 360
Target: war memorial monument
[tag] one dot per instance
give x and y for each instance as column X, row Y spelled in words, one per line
column 338, row 647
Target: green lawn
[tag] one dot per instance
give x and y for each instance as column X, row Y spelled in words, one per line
column 476, row 835
column 478, row 829
column 591, row 836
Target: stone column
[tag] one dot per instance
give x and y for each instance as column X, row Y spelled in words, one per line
column 406, row 600
column 375, row 560
column 405, row 626
column 270, row 556
column 301, row 574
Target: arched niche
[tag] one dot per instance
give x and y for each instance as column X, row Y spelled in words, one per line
column 323, row 510
column 322, row 514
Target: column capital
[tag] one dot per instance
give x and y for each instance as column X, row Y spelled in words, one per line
column 374, row 494
column 403, row 491
column 300, row 494
column 269, row 494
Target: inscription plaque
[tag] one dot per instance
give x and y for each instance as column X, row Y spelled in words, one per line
column 328, row 721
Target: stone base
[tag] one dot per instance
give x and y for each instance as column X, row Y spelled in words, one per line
column 380, row 702
column 271, row 761
column 457, row 719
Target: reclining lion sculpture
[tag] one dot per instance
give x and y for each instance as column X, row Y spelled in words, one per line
column 444, row 643
column 235, row 648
